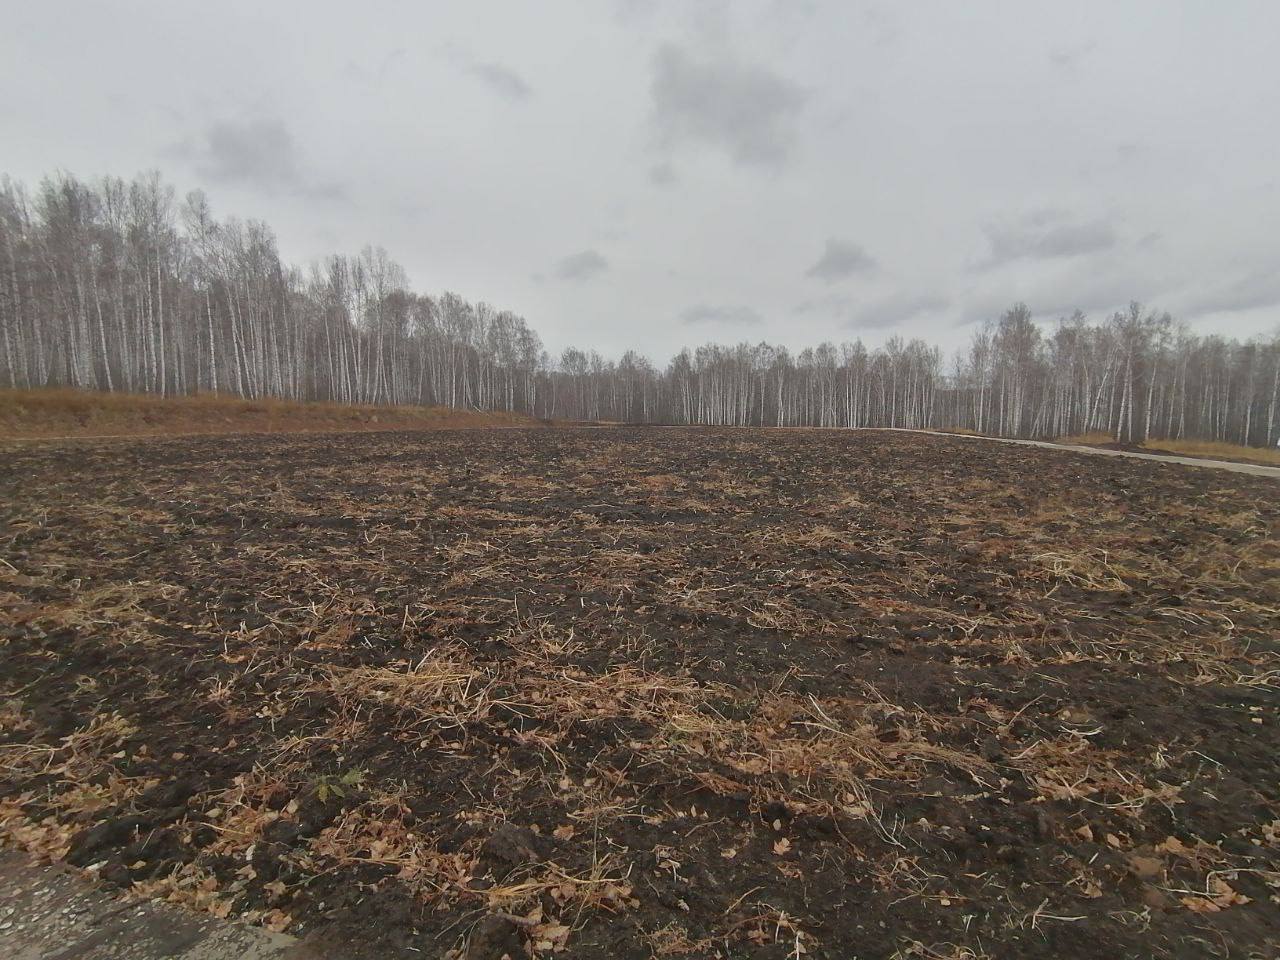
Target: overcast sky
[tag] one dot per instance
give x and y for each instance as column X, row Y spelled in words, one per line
column 646, row 174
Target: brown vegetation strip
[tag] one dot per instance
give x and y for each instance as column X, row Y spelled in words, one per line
column 75, row 414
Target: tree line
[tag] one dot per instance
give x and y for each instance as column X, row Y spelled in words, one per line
column 117, row 285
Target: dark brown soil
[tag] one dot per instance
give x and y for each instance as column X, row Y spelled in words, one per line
column 652, row 692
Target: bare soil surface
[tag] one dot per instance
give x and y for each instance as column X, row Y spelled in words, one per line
column 635, row 693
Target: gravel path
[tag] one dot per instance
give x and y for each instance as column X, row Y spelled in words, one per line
column 57, row 913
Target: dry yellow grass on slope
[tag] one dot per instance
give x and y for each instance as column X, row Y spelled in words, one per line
column 76, row 413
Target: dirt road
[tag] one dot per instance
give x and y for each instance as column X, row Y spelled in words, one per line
column 1253, row 469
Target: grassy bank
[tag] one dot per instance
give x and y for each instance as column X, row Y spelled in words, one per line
column 75, row 413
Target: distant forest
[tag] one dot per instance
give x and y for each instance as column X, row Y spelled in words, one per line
column 116, row 285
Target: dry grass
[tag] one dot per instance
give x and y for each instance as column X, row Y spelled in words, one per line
column 1218, row 451
column 75, row 413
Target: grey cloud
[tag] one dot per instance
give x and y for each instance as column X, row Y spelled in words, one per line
column 745, row 110
column 332, row 190
column 662, row 174
column 499, row 78
column 502, row 81
column 890, row 311
column 704, row 313
column 1070, row 57
column 1046, row 235
column 357, row 71
column 896, row 310
column 1261, row 289
column 839, row 260
column 1062, row 292
column 990, row 305
column 257, row 152
column 1129, row 150
column 835, row 304
column 628, row 12
column 879, row 22
column 581, row 266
